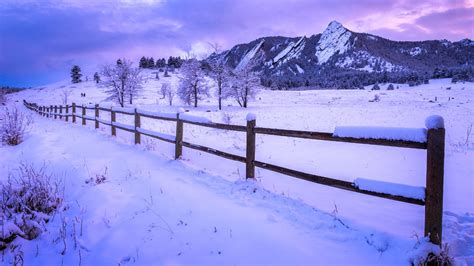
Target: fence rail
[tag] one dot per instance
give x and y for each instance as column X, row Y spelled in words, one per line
column 435, row 145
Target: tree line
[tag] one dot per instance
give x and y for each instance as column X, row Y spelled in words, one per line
column 150, row 63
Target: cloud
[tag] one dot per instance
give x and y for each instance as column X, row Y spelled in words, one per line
column 44, row 38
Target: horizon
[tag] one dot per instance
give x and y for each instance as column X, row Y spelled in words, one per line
column 41, row 42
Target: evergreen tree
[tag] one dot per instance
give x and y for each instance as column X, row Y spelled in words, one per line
column 119, row 62
column 143, row 62
column 150, row 62
column 76, row 74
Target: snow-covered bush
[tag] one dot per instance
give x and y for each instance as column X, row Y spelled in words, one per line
column 390, row 87
column 28, row 201
column 427, row 253
column 13, row 126
column 227, row 118
column 376, row 87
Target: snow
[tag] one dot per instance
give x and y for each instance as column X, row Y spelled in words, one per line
column 334, row 40
column 293, row 50
column 156, row 210
column 129, row 127
column 413, row 192
column 300, row 70
column 249, row 55
column 159, row 114
column 422, row 249
column 251, row 117
column 193, row 118
column 434, row 121
column 124, row 109
column 389, row 133
column 154, row 133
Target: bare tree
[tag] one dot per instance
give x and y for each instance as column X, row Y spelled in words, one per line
column 65, row 95
column 192, row 84
column 121, row 80
column 244, row 85
column 168, row 92
column 220, row 73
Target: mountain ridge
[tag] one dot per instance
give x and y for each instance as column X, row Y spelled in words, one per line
column 330, row 58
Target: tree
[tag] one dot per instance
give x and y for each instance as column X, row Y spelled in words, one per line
column 119, row 61
column 390, row 87
column 244, row 85
column 192, row 85
column 2, row 96
column 143, row 62
column 376, row 87
column 96, row 77
column 150, row 62
column 121, row 81
column 220, row 73
column 168, row 92
column 65, row 95
column 76, row 74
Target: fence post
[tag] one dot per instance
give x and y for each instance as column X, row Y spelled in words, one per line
column 74, row 112
column 51, row 111
column 434, row 179
column 83, row 115
column 44, row 110
column 112, row 121
column 96, row 116
column 137, row 125
column 250, row 157
column 178, row 147
column 55, row 112
column 41, row 110
column 67, row 113
column 60, row 112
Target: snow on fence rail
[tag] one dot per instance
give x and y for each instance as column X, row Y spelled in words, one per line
column 431, row 138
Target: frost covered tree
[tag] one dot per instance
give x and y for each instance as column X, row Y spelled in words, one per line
column 168, row 92
column 123, row 81
column 76, row 74
column 96, row 77
column 65, row 93
column 220, row 73
column 244, row 85
column 192, row 84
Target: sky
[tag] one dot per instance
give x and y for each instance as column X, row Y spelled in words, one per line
column 41, row 40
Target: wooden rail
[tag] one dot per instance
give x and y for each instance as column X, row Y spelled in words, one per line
column 434, row 145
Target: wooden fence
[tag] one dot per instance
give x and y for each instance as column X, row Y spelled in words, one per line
column 434, row 145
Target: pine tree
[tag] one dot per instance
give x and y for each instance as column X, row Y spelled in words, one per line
column 76, row 74
column 143, row 62
column 150, row 62
column 119, row 62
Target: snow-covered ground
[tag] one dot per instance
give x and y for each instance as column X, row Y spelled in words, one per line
column 155, row 210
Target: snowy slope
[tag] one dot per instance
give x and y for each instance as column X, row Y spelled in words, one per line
column 173, row 206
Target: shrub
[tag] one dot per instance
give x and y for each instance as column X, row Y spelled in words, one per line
column 376, row 87
column 27, row 202
column 13, row 126
column 390, row 87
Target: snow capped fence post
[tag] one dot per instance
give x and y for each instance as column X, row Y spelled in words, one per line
column 137, row 125
column 83, row 115
column 55, row 112
column 250, row 157
column 96, row 116
column 112, row 121
column 67, row 112
column 74, row 112
column 434, row 178
column 178, row 148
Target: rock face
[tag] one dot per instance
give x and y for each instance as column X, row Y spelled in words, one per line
column 339, row 55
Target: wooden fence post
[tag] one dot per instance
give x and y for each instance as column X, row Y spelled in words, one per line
column 67, row 113
column 83, row 115
column 41, row 110
column 96, row 116
column 137, row 125
column 60, row 112
column 51, row 111
column 178, row 147
column 74, row 112
column 112, row 121
column 250, row 158
column 44, row 110
column 55, row 112
column 434, row 183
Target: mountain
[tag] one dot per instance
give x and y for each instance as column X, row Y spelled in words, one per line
column 341, row 58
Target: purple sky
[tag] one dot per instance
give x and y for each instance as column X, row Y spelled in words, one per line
column 41, row 40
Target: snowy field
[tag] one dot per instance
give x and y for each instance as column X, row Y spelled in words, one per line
column 153, row 210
